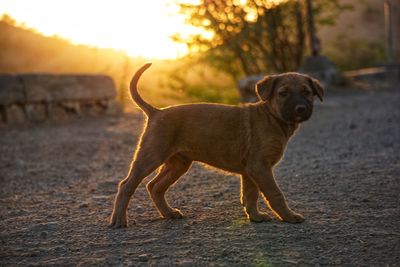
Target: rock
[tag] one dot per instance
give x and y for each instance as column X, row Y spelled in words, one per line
column 321, row 68
column 17, row 212
column 185, row 263
column 57, row 112
column 352, row 126
column 92, row 261
column 44, row 234
column 113, row 107
column 91, row 108
column 247, row 88
column 35, row 88
column 71, row 107
column 41, row 227
column 217, row 194
column 37, row 97
column 15, row 114
column 36, row 112
column 49, row 87
column 143, row 257
column 11, row 90
column 84, row 205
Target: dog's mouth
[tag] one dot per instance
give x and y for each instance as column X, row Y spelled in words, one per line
column 293, row 118
column 303, row 118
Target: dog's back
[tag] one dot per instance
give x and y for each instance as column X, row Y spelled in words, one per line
column 195, row 128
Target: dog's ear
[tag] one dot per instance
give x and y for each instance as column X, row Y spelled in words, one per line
column 265, row 87
column 317, row 88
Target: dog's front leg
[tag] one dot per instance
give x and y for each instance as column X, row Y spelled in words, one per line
column 274, row 197
column 249, row 199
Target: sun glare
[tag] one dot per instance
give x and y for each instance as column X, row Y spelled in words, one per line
column 141, row 28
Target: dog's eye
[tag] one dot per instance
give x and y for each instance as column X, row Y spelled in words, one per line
column 306, row 93
column 283, row 93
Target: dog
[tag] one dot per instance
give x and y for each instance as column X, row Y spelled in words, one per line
column 248, row 140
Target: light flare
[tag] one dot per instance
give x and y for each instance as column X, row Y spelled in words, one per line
column 141, row 28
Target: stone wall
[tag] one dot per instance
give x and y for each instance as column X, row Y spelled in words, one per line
column 38, row 97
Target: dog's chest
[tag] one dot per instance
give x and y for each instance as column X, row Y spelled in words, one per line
column 268, row 145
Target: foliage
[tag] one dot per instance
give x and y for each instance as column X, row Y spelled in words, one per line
column 252, row 37
column 249, row 38
column 326, row 11
column 197, row 81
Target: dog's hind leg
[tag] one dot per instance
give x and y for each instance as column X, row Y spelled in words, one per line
column 146, row 160
column 249, row 198
column 171, row 171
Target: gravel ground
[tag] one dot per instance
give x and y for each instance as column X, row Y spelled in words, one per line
column 341, row 171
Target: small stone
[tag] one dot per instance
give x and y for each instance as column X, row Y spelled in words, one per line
column 216, row 195
column 44, row 234
column 143, row 257
column 58, row 249
column 50, row 226
column 84, row 205
column 185, row 263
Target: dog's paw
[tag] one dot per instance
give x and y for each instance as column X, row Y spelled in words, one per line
column 174, row 214
column 260, row 217
column 118, row 222
column 295, row 218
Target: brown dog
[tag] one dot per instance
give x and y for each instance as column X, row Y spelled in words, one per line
column 248, row 140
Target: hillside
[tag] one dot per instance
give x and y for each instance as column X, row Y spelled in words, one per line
column 23, row 50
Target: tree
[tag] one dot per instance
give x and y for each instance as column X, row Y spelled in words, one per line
column 253, row 36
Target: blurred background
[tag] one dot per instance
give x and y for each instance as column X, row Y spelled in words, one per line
column 201, row 49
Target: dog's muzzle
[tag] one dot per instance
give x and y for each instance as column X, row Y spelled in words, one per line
column 297, row 113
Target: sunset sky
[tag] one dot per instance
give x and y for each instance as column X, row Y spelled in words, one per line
column 142, row 28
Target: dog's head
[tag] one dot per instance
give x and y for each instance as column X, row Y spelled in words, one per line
column 290, row 96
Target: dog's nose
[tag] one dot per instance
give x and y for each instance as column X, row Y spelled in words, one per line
column 300, row 109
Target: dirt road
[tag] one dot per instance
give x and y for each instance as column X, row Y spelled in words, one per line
column 341, row 171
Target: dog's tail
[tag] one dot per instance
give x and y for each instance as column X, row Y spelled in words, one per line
column 146, row 107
